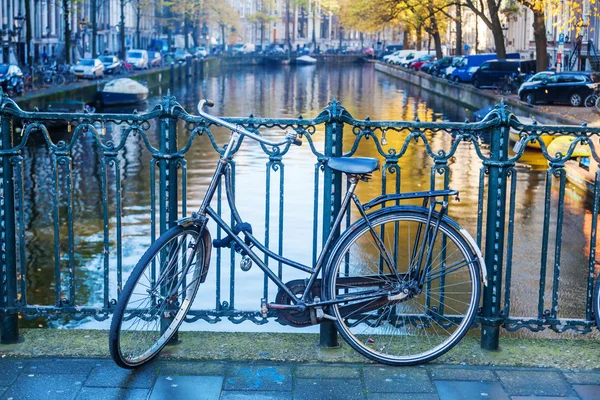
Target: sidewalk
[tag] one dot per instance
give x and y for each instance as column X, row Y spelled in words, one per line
column 80, row 378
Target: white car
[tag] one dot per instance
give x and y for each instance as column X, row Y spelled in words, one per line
column 389, row 56
column 138, row 58
column 88, row 68
column 201, row 52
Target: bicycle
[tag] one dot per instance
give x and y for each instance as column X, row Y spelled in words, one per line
column 592, row 100
column 394, row 301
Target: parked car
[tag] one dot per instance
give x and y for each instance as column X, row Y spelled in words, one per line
column 464, row 71
column 200, row 52
column 539, row 76
column 418, row 63
column 391, row 49
column 138, row 58
column 88, row 68
column 447, row 73
column 11, row 79
column 426, row 67
column 561, row 87
column 248, row 48
column 493, row 72
column 112, row 64
column 368, row 51
column 236, row 49
column 182, row 55
column 155, row 59
column 274, row 50
column 440, row 65
column 414, row 55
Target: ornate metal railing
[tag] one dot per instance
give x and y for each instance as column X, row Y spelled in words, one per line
column 92, row 153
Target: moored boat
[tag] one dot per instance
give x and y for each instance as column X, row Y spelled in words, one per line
column 515, row 136
column 123, row 91
column 67, row 106
column 306, row 60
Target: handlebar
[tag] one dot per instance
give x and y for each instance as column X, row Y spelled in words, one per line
column 290, row 137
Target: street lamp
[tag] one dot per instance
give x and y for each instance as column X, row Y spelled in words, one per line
column 341, row 37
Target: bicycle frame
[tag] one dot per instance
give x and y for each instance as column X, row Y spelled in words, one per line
column 223, row 170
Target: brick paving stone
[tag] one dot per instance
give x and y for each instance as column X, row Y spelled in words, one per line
column 256, row 396
column 462, row 374
column 110, row 375
column 187, row 387
column 583, row 378
column 9, row 370
column 402, row 396
column 397, row 380
column 2, row 389
column 45, row 386
column 258, row 377
column 95, row 393
column 588, row 392
column 326, row 372
column 534, row 383
column 328, row 389
column 58, row 366
column 543, row 398
column 190, row 368
column 468, row 390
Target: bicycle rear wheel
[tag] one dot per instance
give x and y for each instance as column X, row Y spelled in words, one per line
column 157, row 296
column 404, row 322
column 590, row 101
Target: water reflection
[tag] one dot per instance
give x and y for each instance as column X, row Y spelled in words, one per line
column 281, row 92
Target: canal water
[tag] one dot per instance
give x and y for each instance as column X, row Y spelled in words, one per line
column 285, row 91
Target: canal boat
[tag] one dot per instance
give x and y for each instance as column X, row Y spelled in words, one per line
column 515, row 135
column 123, row 91
column 306, row 60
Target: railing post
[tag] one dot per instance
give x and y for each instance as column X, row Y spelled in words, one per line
column 495, row 231
column 332, row 199
column 9, row 326
column 172, row 75
column 168, row 196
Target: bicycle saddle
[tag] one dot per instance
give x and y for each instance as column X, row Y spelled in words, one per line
column 353, row 165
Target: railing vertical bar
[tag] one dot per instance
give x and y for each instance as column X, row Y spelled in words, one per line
column 218, row 260
column 495, row 231
column 316, row 213
column 281, row 212
column 512, row 172
column 118, row 215
column 106, row 249
column 9, row 322
column 480, row 201
column 22, row 281
column 545, row 235
column 332, row 199
column 68, row 162
column 152, row 215
column 558, row 240
column 232, row 251
column 267, row 226
column 592, row 257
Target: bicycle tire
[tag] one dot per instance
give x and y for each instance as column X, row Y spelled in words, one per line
column 59, row 79
column 590, row 101
column 597, row 103
column 145, row 274
column 387, row 329
column 596, row 300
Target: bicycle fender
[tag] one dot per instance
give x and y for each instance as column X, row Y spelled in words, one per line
column 206, row 241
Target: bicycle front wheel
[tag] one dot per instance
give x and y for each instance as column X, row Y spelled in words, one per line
column 157, row 296
column 419, row 308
